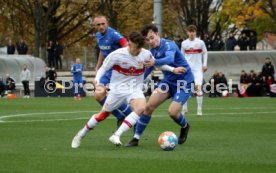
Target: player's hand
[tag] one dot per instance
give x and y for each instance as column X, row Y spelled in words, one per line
column 204, row 69
column 179, row 70
column 149, row 63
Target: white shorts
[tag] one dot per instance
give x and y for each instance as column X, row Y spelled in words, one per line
column 198, row 75
column 115, row 99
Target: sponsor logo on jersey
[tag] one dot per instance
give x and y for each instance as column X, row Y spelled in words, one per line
column 105, row 47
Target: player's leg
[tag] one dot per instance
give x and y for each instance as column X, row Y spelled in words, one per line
column 76, row 90
column 80, row 90
column 179, row 98
column 112, row 102
column 198, row 88
column 199, row 98
column 138, row 105
column 100, row 96
column 158, row 97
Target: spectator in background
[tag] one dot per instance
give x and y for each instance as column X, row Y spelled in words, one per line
column 208, row 42
column 268, row 83
column 58, row 52
column 251, row 76
column 243, row 77
column 51, row 76
column 252, row 41
column 222, row 79
column 218, row 43
column 258, row 85
column 213, row 83
column 243, row 84
column 178, row 40
column 165, row 35
column 10, row 83
column 231, row 42
column 2, row 87
column 251, row 90
column 25, row 79
column 268, row 69
column 10, row 48
column 51, row 54
column 22, row 47
column 243, row 42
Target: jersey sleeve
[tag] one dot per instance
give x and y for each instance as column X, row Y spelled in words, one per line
column 73, row 69
column 118, row 38
column 204, row 53
column 148, row 56
column 182, row 47
column 108, row 63
column 169, row 56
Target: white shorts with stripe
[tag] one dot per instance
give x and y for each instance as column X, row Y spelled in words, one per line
column 115, row 99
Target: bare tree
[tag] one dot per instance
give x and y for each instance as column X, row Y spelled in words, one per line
column 197, row 12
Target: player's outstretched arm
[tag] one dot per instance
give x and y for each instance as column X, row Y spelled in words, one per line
column 100, row 61
column 175, row 70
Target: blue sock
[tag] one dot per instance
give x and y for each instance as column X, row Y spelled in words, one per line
column 115, row 112
column 141, row 125
column 181, row 120
column 125, row 108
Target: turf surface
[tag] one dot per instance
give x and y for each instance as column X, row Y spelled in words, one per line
column 235, row 135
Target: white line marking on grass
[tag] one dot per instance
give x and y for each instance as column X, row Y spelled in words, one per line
column 85, row 118
column 40, row 113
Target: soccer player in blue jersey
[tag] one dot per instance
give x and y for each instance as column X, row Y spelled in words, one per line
column 108, row 40
column 76, row 70
column 176, row 87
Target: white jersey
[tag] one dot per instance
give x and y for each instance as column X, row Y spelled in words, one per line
column 127, row 70
column 195, row 53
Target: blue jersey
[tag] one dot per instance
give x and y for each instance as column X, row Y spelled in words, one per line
column 76, row 70
column 109, row 41
column 169, row 54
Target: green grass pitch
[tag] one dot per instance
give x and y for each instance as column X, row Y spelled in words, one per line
column 236, row 135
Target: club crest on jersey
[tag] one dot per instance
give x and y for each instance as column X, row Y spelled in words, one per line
column 132, row 69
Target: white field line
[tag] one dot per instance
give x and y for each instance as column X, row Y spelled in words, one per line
column 86, row 118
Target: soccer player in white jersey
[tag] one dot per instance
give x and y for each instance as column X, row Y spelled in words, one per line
column 126, row 84
column 195, row 53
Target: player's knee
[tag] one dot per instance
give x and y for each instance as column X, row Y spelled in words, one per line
column 149, row 109
column 99, row 94
column 140, row 110
column 199, row 93
column 172, row 112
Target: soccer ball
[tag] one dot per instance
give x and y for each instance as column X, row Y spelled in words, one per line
column 167, row 140
column 225, row 93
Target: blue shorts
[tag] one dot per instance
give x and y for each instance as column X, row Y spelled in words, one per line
column 78, row 81
column 105, row 80
column 179, row 94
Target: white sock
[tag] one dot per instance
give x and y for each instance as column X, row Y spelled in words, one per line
column 199, row 102
column 129, row 121
column 89, row 125
column 185, row 106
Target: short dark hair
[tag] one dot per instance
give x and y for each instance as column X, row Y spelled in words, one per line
column 192, row 28
column 147, row 28
column 137, row 38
